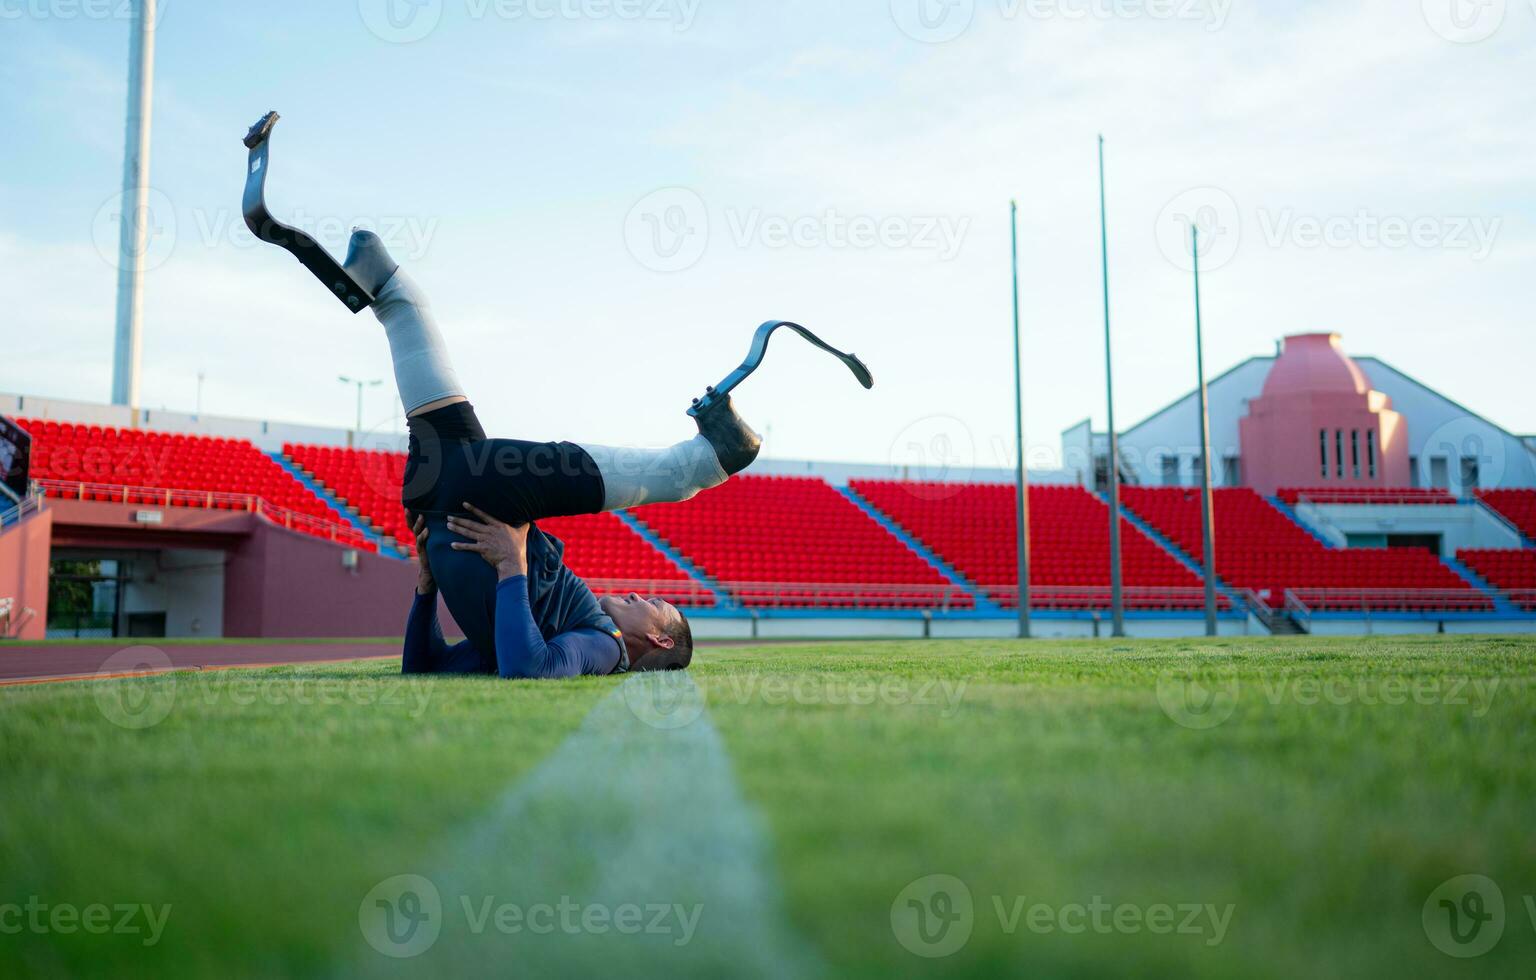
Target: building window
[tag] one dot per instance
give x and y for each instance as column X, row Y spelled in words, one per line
column 1170, row 471
column 1338, row 452
column 1370, row 451
column 1322, row 450
column 1439, row 473
column 1354, row 452
column 1469, row 474
column 1232, row 472
column 1413, row 472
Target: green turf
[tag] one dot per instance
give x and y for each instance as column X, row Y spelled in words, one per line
column 266, row 803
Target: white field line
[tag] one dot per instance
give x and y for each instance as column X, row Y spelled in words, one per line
column 637, row 808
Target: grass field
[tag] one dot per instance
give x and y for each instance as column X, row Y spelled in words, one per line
column 1249, row 808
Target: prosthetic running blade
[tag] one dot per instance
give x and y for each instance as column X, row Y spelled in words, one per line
column 760, row 350
column 341, row 280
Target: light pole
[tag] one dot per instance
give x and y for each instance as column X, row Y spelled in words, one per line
column 1116, row 592
column 360, row 386
column 134, row 223
column 1022, row 475
column 1207, row 516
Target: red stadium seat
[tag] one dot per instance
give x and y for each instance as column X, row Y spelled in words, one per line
column 974, row 528
column 1510, row 570
column 1367, row 495
column 795, row 541
column 137, row 466
column 1261, row 549
column 1517, row 506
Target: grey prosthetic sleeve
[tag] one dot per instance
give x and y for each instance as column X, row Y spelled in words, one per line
column 423, row 372
column 632, row 477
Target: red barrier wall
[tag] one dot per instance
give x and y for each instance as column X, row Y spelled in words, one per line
column 279, row 583
column 24, row 550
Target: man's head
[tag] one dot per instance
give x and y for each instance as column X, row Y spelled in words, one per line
column 656, row 633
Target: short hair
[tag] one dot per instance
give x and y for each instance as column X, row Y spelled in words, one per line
column 677, row 658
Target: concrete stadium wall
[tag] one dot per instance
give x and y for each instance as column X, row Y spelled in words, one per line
column 24, row 550
column 279, row 583
column 1342, row 626
column 831, row 627
column 1175, row 431
column 187, row 584
column 1460, row 526
column 1438, row 426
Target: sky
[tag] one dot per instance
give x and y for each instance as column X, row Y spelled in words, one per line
column 604, row 198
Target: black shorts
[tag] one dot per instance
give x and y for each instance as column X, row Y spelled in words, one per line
column 451, row 463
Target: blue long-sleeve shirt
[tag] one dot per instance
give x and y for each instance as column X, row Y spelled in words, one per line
column 521, row 650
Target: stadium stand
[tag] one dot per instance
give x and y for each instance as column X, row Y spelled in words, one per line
column 366, row 481
column 973, row 527
column 138, row 466
column 600, row 548
column 1510, row 570
column 779, row 541
column 1366, row 495
column 797, row 542
column 1517, row 506
column 1268, row 553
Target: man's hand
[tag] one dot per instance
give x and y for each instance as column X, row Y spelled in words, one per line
column 503, row 546
column 425, row 583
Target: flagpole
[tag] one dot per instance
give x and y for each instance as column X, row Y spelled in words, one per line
column 1022, row 474
column 1116, row 590
column 1207, row 508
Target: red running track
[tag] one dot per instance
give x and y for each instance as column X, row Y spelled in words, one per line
column 55, row 661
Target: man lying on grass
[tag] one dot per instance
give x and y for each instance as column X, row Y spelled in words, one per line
column 643, row 637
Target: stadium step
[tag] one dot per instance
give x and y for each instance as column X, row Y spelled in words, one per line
column 1295, row 518
column 1500, row 602
column 983, row 604
column 1525, row 540
column 314, row 487
column 722, row 597
column 1282, row 625
column 1183, row 557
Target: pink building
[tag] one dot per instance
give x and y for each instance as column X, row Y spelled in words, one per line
column 1319, row 423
